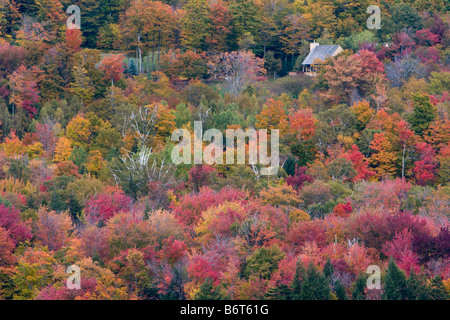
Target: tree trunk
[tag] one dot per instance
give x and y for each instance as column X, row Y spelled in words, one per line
column 159, row 43
column 139, row 53
column 153, row 52
column 112, row 92
column 140, row 60
column 403, row 162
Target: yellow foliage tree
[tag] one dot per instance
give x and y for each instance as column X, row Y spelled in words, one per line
column 280, row 196
column 273, row 116
column 63, row 149
column 95, row 162
column 129, row 142
column 13, row 147
column 384, row 158
column 79, row 131
column 296, row 215
column 35, row 150
column 363, row 112
column 166, row 120
column 210, row 223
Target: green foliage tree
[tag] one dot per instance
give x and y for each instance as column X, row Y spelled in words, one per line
column 403, row 17
column 416, row 287
column 280, row 292
column 340, row 291
column 395, row 283
column 423, row 114
column 359, row 287
column 195, row 25
column 209, row 292
column 299, row 277
column 315, row 286
column 271, row 63
column 263, row 262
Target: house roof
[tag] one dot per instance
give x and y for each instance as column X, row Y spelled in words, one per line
column 320, row 52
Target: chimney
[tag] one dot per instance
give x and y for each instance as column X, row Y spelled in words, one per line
column 312, row 45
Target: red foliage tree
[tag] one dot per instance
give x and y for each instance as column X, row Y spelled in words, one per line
column 104, row 206
column 220, row 18
column 190, row 207
column 299, row 178
column 307, row 231
column 343, row 209
column 303, row 123
column 386, row 195
column 425, row 168
column 188, row 65
column 73, row 39
column 402, row 44
column 203, row 267
column 94, row 242
column 425, row 37
column 67, row 168
column 64, row 293
column 359, row 162
column 376, row 229
column 53, row 229
column 112, row 67
column 200, row 176
column 6, row 248
column 24, row 88
column 11, row 57
column 400, row 248
column 173, row 250
column 10, row 220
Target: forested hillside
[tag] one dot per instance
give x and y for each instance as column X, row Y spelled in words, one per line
column 89, row 104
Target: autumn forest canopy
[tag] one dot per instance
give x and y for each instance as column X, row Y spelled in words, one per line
column 87, row 177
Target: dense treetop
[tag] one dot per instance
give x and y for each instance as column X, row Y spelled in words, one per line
column 86, row 176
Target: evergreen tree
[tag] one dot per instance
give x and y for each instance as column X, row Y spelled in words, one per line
column 315, row 286
column 403, row 17
column 340, row 292
column 79, row 156
column 57, row 202
column 289, row 165
column 296, row 284
column 416, row 287
column 110, row 9
column 359, row 287
column 305, row 151
column 74, row 208
column 208, row 292
column 437, row 290
column 147, row 211
column 272, row 64
column 91, row 22
column 280, row 292
column 395, row 286
column 245, row 18
column 131, row 68
column 328, row 270
column 195, row 24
